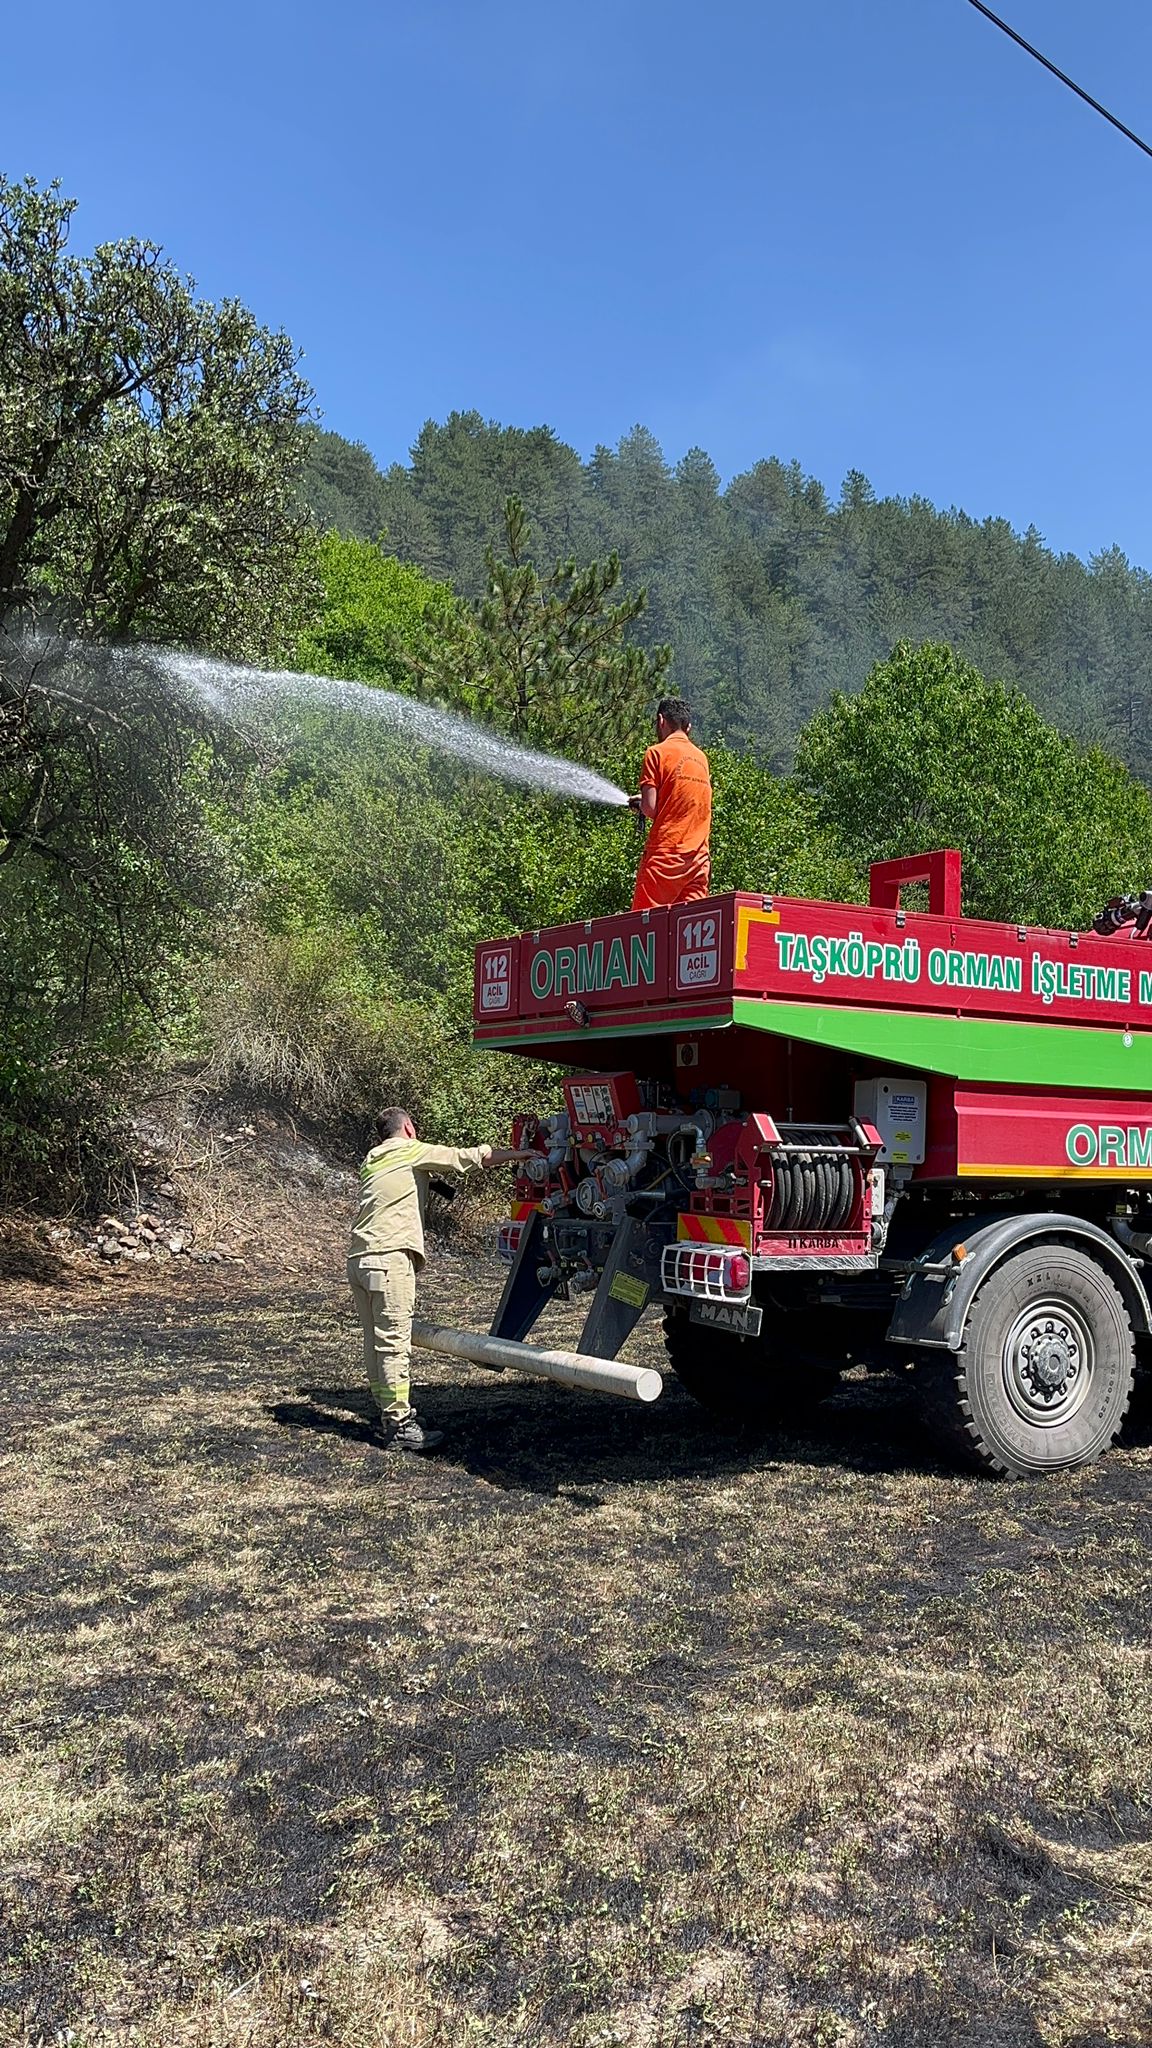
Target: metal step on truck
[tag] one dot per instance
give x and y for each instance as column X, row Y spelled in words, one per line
column 815, row 1133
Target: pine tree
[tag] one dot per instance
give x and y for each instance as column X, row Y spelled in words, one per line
column 549, row 658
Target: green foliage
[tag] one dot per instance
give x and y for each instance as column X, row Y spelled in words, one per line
column 343, row 487
column 150, row 446
column 112, row 873
column 375, row 866
column 930, row 754
column 772, row 594
column 295, row 1017
column 375, row 871
column 381, row 620
column 464, row 472
column 767, row 834
column 548, row 659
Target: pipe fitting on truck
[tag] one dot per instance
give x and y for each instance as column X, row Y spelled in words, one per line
column 617, row 1172
column 1138, row 1242
column 545, row 1165
column 590, row 1199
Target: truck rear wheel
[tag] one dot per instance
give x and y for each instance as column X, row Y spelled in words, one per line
column 758, row 1380
column 1044, row 1376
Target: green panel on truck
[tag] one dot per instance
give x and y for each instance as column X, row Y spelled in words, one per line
column 970, row 1048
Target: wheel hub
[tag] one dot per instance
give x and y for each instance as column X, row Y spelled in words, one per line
column 1048, row 1360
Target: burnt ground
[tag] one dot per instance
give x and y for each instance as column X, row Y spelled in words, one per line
column 607, row 1725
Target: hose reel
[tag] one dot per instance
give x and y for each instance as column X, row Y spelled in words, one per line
column 814, row 1183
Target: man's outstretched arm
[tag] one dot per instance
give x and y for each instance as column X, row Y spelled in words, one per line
column 459, row 1158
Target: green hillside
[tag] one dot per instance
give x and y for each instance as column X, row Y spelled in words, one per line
column 772, row 593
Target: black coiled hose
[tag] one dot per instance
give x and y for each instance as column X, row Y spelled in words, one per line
column 811, row 1190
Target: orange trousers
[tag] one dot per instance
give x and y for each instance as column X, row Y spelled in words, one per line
column 666, row 878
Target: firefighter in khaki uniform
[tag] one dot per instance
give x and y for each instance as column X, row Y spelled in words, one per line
column 385, row 1254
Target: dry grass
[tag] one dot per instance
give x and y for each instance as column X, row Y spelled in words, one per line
column 605, row 1727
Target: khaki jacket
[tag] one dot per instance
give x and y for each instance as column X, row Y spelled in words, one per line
column 394, row 1192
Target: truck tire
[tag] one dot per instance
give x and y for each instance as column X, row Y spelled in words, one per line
column 1044, row 1376
column 758, row 1380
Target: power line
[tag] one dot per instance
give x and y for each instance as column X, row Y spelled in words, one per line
column 1062, row 76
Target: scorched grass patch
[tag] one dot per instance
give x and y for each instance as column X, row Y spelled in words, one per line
column 606, row 1726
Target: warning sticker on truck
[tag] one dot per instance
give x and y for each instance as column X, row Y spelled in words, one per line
column 625, row 1287
column 591, row 1103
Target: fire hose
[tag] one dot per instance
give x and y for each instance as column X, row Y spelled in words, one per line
column 1121, row 911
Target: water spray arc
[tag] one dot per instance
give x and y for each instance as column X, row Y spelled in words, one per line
column 231, row 692
column 104, row 684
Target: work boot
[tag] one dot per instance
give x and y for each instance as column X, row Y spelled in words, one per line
column 410, row 1434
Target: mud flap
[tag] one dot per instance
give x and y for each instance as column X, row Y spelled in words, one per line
column 630, row 1280
column 524, row 1297
column 933, row 1308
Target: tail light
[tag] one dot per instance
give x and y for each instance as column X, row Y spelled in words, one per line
column 739, row 1274
column 707, row 1272
column 508, row 1240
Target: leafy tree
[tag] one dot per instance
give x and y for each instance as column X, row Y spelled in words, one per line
column 381, row 619
column 1120, row 610
column 112, row 870
column 638, row 504
column 149, row 450
column 149, row 445
column 464, row 472
column 351, row 977
column 768, row 833
column 930, row 754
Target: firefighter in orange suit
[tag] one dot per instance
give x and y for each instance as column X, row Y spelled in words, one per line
column 675, row 796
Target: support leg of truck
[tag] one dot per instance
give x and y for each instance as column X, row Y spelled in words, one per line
column 525, row 1295
column 629, row 1281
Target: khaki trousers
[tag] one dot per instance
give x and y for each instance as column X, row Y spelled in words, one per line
column 384, row 1290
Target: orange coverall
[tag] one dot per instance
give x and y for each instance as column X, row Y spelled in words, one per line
column 674, row 864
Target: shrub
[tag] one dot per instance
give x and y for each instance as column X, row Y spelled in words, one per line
column 294, row 1018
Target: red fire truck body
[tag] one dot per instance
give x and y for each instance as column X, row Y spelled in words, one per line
column 804, row 1129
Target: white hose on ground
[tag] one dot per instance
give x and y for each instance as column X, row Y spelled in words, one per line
column 567, row 1368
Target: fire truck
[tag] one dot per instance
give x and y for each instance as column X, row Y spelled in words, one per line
column 813, row 1134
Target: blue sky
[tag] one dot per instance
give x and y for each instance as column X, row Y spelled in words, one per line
column 873, row 236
